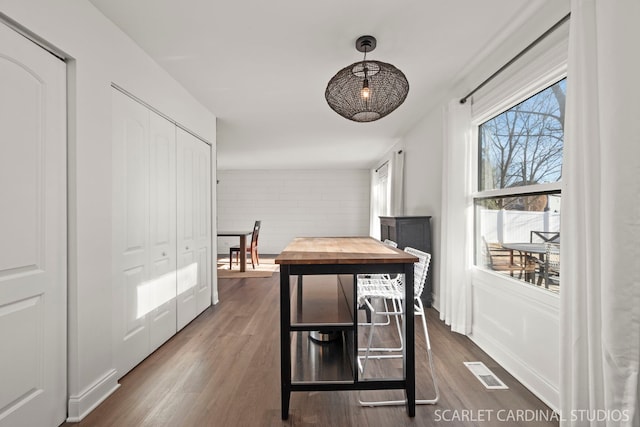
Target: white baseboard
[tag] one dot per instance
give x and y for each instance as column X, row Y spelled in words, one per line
column 81, row 405
column 539, row 386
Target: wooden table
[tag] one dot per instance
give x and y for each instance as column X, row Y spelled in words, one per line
column 344, row 258
column 243, row 246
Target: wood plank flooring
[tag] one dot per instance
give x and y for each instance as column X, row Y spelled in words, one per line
column 223, row 369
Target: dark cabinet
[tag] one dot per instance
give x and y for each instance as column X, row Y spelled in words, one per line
column 415, row 232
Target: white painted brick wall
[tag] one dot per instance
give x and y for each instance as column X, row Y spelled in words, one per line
column 292, row 203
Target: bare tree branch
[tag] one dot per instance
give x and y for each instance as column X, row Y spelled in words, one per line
column 523, row 145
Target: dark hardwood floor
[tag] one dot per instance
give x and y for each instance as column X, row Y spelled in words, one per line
column 223, row 369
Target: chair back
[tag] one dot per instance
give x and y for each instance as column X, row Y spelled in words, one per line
column 487, row 257
column 493, row 256
column 552, row 256
column 420, row 269
column 544, row 236
column 254, row 235
column 391, row 243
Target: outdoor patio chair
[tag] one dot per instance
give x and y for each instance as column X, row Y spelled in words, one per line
column 498, row 258
column 552, row 263
column 544, row 236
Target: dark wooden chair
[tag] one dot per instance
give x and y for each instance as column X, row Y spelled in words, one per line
column 252, row 248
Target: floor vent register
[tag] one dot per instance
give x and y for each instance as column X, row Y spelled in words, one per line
column 485, row 376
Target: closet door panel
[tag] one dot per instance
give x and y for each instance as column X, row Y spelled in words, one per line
column 203, row 290
column 194, row 218
column 162, row 231
column 187, row 281
column 130, row 225
column 203, row 226
column 187, row 265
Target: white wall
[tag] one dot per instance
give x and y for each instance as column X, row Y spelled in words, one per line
column 292, row 203
column 422, row 148
column 519, row 326
column 100, row 54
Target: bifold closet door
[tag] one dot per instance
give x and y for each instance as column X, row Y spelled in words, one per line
column 194, row 226
column 161, row 288
column 144, row 231
column 130, row 132
column 161, row 229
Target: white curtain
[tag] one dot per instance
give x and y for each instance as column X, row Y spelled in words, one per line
column 380, row 195
column 374, row 226
column 457, row 216
column 600, row 295
column 387, row 191
column 397, row 184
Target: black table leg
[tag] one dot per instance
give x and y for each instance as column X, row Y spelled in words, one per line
column 285, row 340
column 410, row 343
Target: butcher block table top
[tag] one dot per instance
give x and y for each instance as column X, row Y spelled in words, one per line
column 341, row 250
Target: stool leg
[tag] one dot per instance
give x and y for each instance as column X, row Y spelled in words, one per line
column 397, row 309
column 434, row 379
column 419, row 311
column 371, row 329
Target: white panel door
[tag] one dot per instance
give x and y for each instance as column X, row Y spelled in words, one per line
column 161, row 301
column 144, row 230
column 130, row 230
column 194, row 231
column 33, row 245
column 202, row 207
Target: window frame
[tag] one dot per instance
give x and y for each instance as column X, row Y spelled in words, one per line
column 535, row 86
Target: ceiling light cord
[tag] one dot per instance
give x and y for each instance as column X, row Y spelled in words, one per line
column 365, row 92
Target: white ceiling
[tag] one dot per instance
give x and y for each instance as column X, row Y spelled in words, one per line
column 262, row 67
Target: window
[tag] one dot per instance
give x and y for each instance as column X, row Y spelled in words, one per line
column 518, row 202
column 380, row 198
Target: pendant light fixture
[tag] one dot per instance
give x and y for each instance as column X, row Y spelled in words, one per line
column 367, row 90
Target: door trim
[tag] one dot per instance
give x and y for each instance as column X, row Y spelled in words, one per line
column 31, row 36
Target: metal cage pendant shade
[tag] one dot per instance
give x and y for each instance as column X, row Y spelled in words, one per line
column 367, row 90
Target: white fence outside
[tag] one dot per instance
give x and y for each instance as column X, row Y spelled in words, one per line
column 505, row 226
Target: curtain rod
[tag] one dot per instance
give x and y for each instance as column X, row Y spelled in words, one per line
column 518, row 56
column 380, row 167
